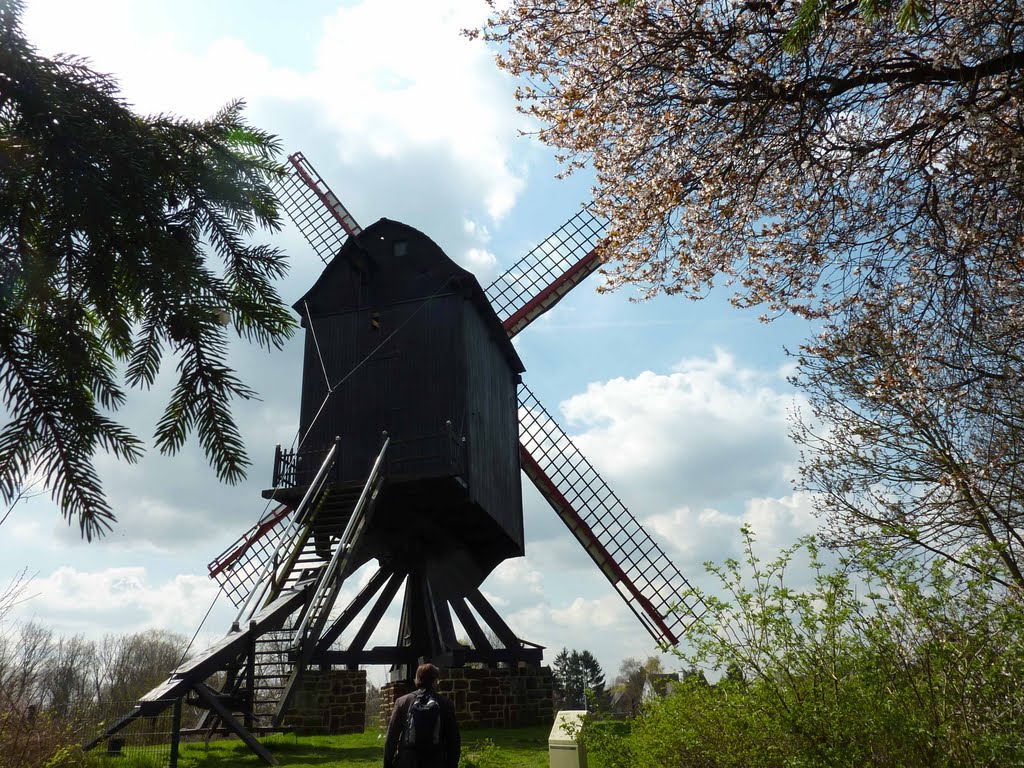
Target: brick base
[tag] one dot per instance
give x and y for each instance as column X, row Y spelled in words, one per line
column 487, row 698
column 328, row 703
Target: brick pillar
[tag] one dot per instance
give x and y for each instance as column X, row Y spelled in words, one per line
column 389, row 693
column 328, row 703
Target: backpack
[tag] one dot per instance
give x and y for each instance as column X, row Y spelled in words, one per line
column 423, row 723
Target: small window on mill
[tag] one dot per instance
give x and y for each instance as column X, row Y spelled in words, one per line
column 375, row 321
column 399, row 248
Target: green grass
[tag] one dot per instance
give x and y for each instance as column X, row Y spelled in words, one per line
column 481, row 748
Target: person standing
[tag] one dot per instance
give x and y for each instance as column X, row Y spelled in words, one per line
column 422, row 732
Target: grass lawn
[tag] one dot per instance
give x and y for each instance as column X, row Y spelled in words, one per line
column 481, row 748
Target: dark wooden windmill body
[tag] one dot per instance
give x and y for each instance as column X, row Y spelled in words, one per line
column 414, row 428
column 400, row 339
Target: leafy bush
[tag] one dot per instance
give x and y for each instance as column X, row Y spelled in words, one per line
column 881, row 662
column 481, row 755
column 30, row 740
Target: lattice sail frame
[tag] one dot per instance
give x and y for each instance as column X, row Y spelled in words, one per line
column 315, row 209
column 658, row 594
column 239, row 568
column 539, row 280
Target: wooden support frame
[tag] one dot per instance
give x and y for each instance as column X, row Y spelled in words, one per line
column 502, row 630
column 384, row 600
column 211, row 699
column 250, row 676
column 445, row 625
column 469, row 623
column 329, row 637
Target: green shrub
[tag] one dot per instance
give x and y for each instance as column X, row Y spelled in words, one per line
column 36, row 740
column 880, row 662
column 483, row 754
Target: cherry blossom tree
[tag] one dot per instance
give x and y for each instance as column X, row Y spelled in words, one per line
column 813, row 163
column 858, row 163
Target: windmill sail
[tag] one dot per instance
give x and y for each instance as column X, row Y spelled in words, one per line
column 315, row 209
column 653, row 588
column 237, row 569
column 539, row 280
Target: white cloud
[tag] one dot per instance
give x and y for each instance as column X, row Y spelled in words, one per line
column 420, row 84
column 117, row 599
column 481, row 263
column 601, row 613
column 518, row 574
column 476, row 229
column 420, row 121
column 709, row 431
column 693, row 537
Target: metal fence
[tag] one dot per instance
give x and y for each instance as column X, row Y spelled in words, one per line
column 145, row 742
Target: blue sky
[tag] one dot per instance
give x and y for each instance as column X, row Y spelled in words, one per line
column 682, row 405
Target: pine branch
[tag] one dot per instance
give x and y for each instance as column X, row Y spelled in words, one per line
column 103, row 219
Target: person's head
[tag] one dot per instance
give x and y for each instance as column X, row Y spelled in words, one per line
column 426, row 675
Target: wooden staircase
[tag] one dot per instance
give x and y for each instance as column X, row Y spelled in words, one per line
column 284, row 574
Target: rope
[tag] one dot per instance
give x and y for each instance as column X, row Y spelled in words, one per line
column 199, row 628
column 407, row 320
column 316, row 343
column 368, row 356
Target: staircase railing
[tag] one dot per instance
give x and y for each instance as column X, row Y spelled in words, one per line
column 286, row 541
column 327, row 581
column 328, row 584
column 293, row 469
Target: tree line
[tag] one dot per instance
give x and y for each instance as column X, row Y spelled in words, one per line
column 72, row 675
column 579, row 683
column 55, row 691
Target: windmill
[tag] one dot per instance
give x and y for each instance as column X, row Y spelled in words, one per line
column 414, row 428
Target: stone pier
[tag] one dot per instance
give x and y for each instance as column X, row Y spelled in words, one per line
column 491, row 698
column 328, row 702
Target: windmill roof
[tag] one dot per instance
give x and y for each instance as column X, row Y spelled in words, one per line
column 432, row 266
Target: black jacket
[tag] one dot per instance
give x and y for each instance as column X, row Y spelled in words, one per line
column 397, row 755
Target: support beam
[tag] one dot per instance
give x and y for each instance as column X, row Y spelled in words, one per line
column 373, row 618
column 445, row 626
column 250, row 676
column 210, row 698
column 329, row 637
column 416, row 624
column 469, row 623
column 117, row 726
column 432, row 625
column 494, row 621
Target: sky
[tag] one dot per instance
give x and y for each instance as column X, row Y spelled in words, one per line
column 682, row 406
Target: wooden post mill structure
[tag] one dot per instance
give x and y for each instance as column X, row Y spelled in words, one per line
column 414, row 428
